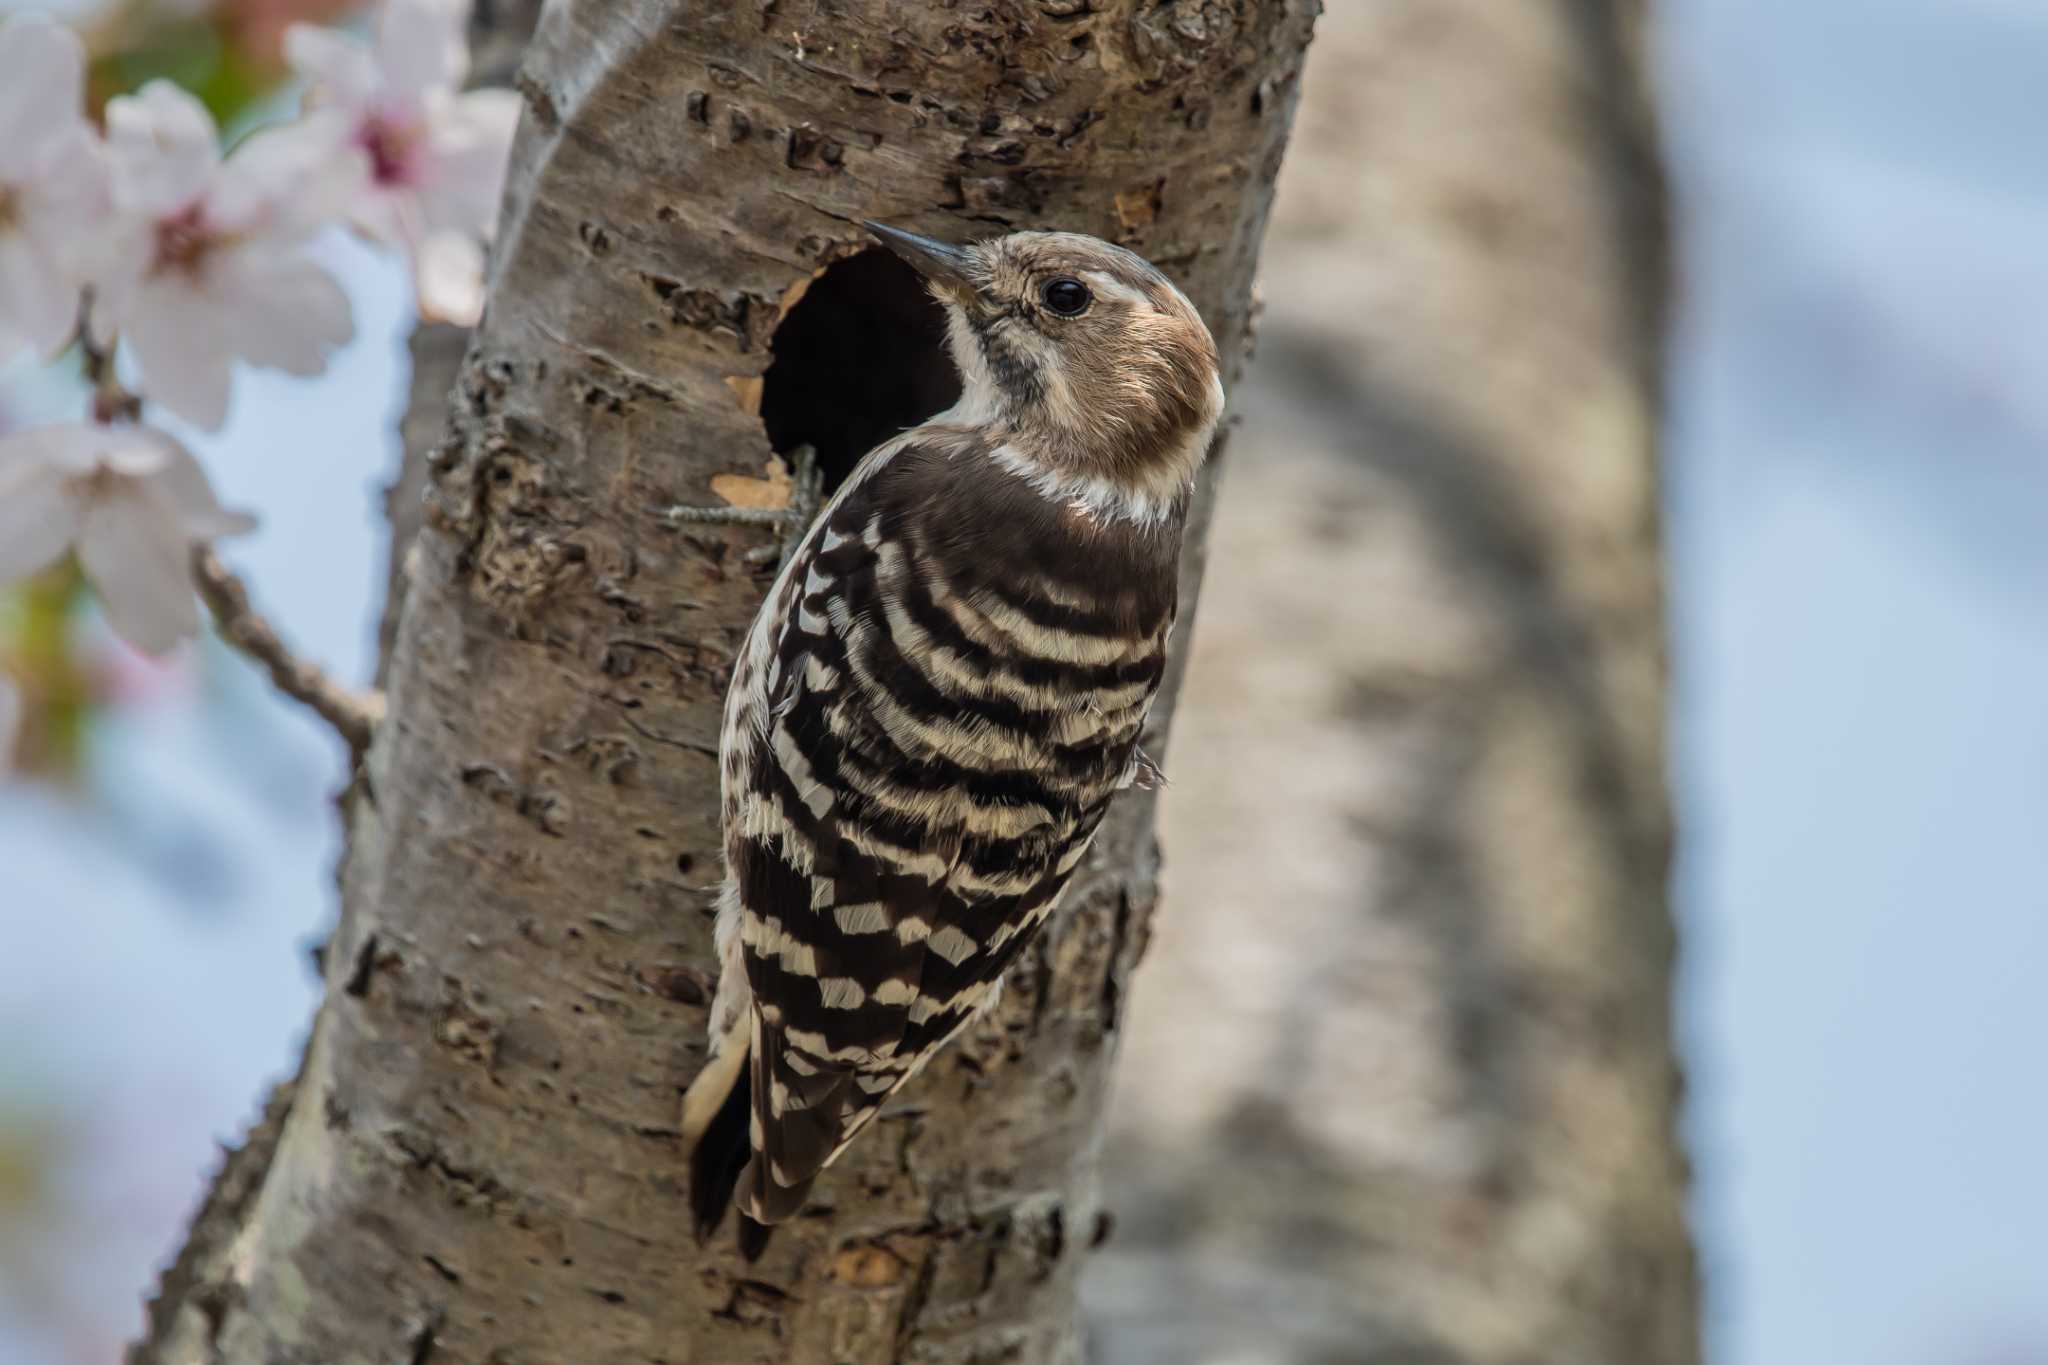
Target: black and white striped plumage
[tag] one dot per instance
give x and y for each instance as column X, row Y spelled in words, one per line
column 938, row 700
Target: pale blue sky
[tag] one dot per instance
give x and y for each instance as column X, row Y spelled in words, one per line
column 1858, row 502
column 1858, row 517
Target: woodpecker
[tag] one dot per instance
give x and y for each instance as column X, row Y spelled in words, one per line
column 939, row 698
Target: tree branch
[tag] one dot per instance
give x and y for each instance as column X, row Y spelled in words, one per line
column 111, row 400
column 354, row 715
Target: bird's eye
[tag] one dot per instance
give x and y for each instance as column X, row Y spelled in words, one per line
column 1065, row 296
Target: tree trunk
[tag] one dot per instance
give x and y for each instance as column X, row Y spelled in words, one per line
column 499, row 31
column 1398, row 1081
column 478, row 1161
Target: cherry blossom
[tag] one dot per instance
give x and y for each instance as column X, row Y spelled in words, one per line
column 52, row 180
column 131, row 501
column 436, row 157
column 206, row 263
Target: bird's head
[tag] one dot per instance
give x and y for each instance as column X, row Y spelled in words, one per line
column 1085, row 359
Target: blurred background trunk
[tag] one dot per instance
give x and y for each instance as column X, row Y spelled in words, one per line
column 1398, row 1083
column 478, row 1161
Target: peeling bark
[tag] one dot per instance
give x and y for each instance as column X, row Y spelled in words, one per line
column 478, row 1161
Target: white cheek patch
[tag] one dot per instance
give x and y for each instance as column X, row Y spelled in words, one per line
column 980, row 399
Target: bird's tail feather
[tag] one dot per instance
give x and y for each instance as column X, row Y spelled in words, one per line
column 717, row 1163
column 721, row 1149
column 717, row 1116
column 753, row 1239
column 718, row 1106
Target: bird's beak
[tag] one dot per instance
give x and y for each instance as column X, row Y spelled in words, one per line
column 940, row 262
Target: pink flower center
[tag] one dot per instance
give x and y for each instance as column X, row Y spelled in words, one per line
column 391, row 148
column 182, row 242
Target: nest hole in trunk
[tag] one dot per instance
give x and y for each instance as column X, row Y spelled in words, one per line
column 860, row 357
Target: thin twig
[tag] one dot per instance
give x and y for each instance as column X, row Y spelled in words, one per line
column 728, row 516
column 806, row 493
column 353, row 714
column 110, row 401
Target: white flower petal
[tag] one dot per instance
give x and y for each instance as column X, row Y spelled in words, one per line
column 380, row 213
column 287, row 312
column 134, row 553
column 179, row 337
column 471, row 143
column 68, row 447
column 421, row 47
column 287, row 181
column 37, row 524
column 38, row 514
column 38, row 305
column 42, row 88
column 67, row 209
column 120, row 259
column 338, row 67
column 449, row 279
column 131, row 452
column 163, row 148
column 185, row 488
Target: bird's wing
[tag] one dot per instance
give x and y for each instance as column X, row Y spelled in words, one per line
column 914, row 798
column 883, row 883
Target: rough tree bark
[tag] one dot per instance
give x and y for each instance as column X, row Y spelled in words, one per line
column 1398, row 1083
column 478, row 1160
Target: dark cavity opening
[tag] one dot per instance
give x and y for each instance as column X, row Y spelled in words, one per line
column 860, row 357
